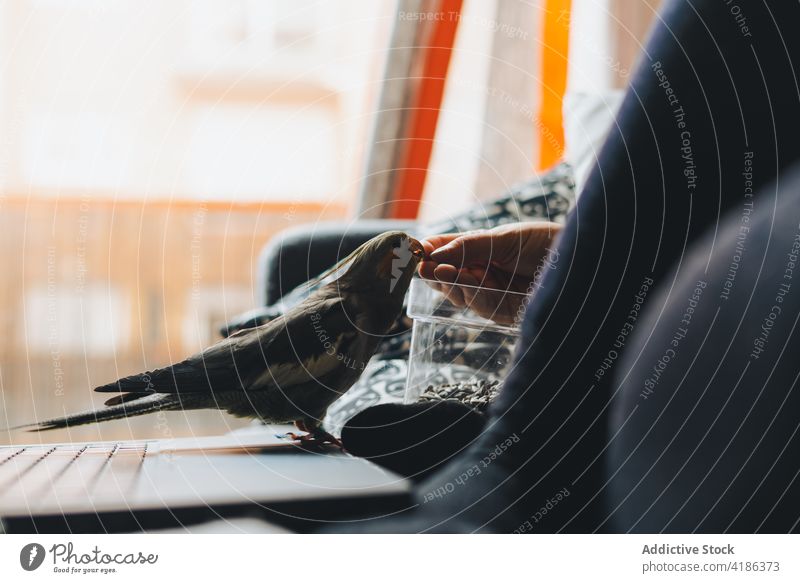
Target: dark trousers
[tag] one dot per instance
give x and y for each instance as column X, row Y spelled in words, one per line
column 656, row 376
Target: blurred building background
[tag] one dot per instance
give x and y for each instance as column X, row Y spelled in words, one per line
column 148, row 149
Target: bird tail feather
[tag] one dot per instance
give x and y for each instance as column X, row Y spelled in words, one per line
column 125, row 398
column 135, row 383
column 142, row 406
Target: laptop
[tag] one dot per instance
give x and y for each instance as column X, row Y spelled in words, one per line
column 128, row 486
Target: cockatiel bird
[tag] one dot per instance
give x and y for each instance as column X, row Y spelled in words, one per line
column 290, row 369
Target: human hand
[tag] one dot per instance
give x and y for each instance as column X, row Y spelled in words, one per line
column 506, row 258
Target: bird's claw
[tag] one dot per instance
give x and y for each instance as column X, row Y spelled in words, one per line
column 316, row 439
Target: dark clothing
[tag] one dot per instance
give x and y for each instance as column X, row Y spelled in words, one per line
column 708, row 384
column 706, row 102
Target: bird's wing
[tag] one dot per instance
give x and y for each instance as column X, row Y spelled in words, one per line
column 315, row 342
column 301, row 346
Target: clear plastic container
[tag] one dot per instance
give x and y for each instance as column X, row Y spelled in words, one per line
column 452, row 344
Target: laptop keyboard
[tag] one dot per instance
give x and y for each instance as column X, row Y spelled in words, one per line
column 130, row 476
column 31, row 475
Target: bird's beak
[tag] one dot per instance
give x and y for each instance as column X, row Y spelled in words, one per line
column 417, row 250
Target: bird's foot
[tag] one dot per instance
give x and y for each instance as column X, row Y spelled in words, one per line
column 316, row 438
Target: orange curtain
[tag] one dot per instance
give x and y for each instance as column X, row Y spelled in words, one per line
column 554, row 52
column 413, row 168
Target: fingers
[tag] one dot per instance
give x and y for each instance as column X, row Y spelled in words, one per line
column 469, row 249
column 432, row 243
column 472, row 269
column 471, row 288
column 448, row 274
column 451, row 274
column 465, row 288
column 517, row 249
column 438, row 276
column 462, row 288
column 426, row 269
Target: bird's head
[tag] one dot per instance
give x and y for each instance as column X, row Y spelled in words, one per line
column 383, row 265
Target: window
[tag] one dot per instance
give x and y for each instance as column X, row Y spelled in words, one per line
column 95, row 320
column 149, row 151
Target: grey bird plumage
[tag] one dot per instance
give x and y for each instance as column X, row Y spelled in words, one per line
column 290, row 369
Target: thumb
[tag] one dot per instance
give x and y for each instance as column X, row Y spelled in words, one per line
column 469, row 249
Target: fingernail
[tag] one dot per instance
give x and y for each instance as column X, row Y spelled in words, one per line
column 441, row 251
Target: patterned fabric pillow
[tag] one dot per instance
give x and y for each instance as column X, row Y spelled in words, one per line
column 384, row 381
column 548, row 197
